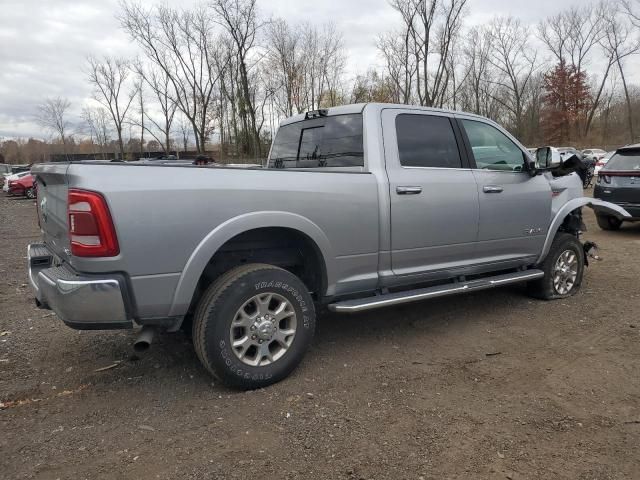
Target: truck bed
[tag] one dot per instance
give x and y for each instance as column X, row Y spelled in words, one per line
column 164, row 213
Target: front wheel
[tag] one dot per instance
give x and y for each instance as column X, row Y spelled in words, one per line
column 30, row 193
column 253, row 325
column 563, row 269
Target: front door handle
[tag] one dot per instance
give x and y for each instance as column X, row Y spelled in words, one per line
column 408, row 190
column 492, row 189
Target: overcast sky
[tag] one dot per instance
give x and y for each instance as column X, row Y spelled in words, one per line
column 44, row 43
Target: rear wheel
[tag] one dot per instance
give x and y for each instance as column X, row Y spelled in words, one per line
column 30, row 193
column 563, row 269
column 253, row 325
column 608, row 222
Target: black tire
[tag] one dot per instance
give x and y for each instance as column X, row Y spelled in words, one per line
column 545, row 288
column 608, row 222
column 30, row 193
column 220, row 305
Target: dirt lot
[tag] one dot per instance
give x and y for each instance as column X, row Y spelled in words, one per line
column 488, row 385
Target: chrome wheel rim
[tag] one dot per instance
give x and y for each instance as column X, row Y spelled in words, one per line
column 565, row 272
column 263, row 329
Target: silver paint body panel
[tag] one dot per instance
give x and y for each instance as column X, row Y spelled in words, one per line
column 170, row 220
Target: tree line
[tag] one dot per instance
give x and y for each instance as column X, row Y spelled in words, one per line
column 225, row 73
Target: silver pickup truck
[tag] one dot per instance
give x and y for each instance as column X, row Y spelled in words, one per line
column 358, row 207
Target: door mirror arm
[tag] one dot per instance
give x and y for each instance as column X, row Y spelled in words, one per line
column 530, row 166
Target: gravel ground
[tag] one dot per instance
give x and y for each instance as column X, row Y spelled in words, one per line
column 488, row 385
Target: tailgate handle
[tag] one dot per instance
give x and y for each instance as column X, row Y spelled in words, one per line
column 492, row 189
column 408, row 190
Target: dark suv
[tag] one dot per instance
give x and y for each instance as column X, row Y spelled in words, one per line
column 619, row 183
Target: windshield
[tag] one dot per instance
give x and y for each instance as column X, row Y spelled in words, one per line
column 334, row 141
column 624, row 160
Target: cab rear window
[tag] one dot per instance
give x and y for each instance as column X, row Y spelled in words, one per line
column 334, row 141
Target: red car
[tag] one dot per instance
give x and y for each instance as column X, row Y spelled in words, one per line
column 23, row 186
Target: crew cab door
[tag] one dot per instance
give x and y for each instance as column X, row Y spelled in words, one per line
column 515, row 208
column 433, row 194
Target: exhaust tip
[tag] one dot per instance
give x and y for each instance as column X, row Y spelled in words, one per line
column 141, row 346
column 143, row 342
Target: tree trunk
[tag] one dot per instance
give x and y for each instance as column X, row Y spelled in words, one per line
column 120, row 143
column 628, row 100
column 596, row 102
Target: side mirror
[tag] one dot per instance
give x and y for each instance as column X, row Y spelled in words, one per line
column 547, row 158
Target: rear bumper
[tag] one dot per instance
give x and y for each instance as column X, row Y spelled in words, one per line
column 84, row 302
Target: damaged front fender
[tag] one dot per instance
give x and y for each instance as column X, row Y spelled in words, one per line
column 599, row 206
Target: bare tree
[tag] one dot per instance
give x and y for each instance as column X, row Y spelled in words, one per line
column 419, row 57
column 184, row 127
column 324, row 64
column 109, row 79
column 477, row 83
column 52, row 115
column 184, row 47
column 97, row 120
column 515, row 62
column 572, row 34
column 619, row 41
column 286, row 59
column 239, row 18
column 160, row 84
column 632, row 9
column 394, row 48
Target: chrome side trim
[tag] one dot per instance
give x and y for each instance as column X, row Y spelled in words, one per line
column 369, row 303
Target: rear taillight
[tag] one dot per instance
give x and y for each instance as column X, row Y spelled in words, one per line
column 91, row 229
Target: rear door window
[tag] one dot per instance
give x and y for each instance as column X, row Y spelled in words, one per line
column 427, row 141
column 334, row 141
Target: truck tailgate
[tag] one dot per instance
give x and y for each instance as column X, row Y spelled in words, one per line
column 52, row 188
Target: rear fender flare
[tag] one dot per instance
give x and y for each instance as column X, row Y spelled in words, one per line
column 224, row 232
column 570, row 206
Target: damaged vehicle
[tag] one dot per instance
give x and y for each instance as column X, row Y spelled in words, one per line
column 358, row 207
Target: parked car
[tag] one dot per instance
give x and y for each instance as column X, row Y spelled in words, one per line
column 359, row 207
column 603, row 161
column 566, row 152
column 9, row 178
column 5, row 169
column 619, row 183
column 20, row 168
column 23, row 186
column 593, row 154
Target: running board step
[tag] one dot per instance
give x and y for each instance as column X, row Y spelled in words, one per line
column 368, row 303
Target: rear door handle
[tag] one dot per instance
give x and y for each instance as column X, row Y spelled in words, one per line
column 492, row 189
column 408, row 190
